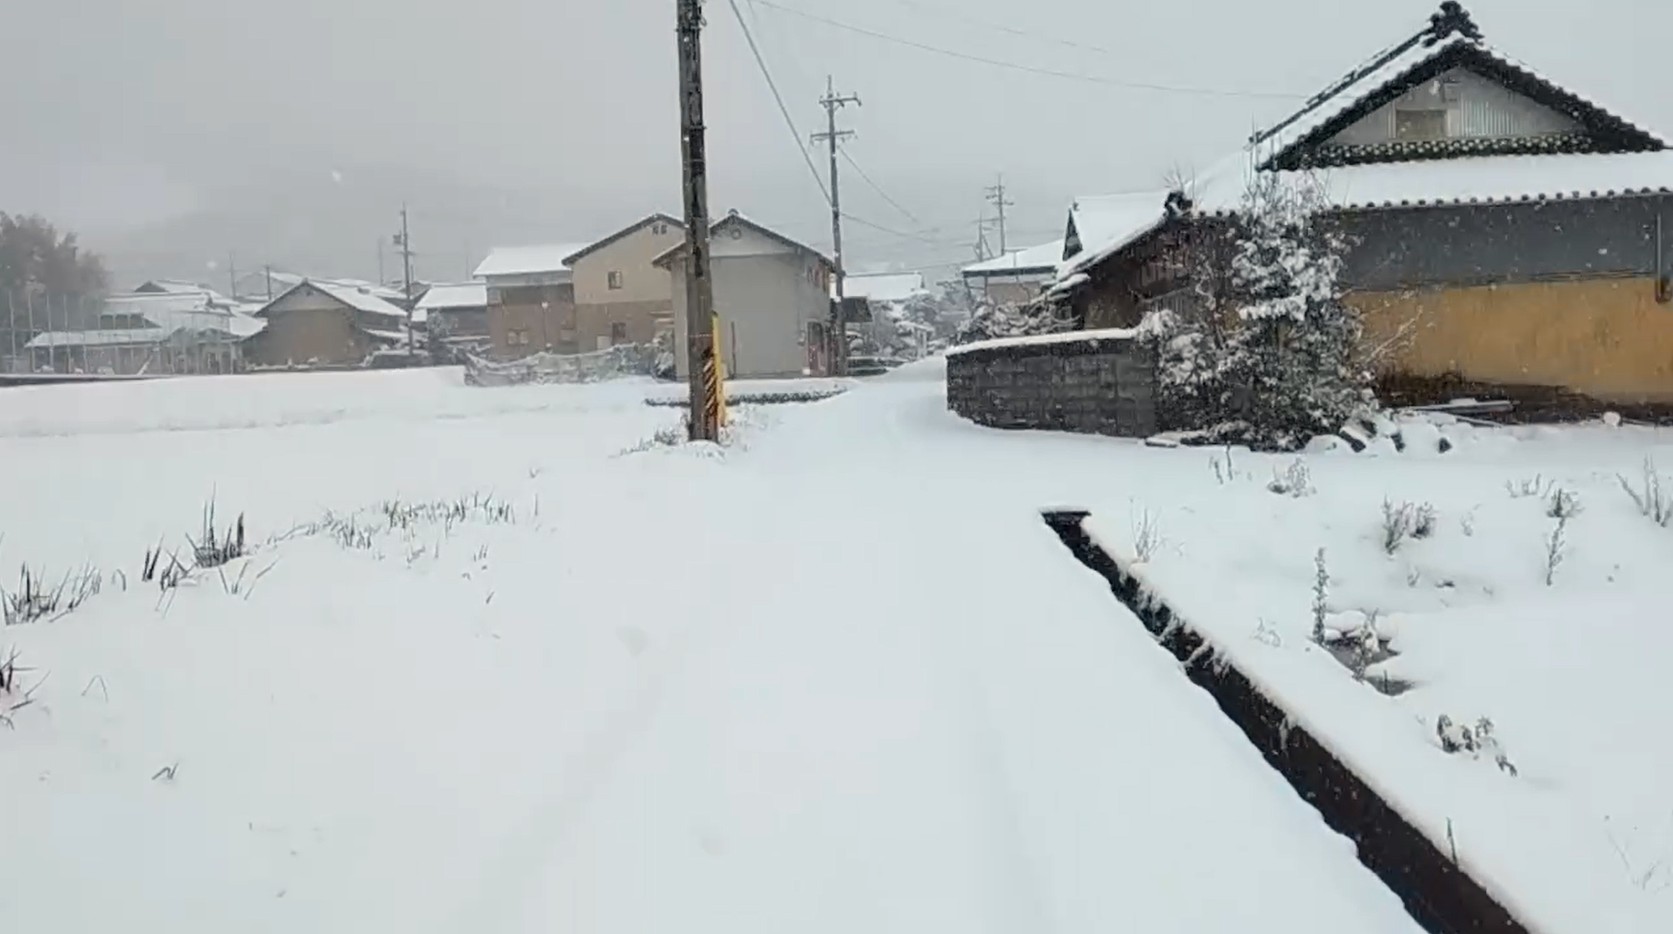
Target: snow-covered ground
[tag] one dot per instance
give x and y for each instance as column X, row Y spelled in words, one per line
column 499, row 666
column 1517, row 580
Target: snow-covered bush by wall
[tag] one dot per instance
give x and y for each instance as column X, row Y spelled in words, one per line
column 1269, row 354
column 992, row 320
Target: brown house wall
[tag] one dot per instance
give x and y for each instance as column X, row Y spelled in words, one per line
column 1605, row 338
column 518, row 313
column 308, row 335
column 642, row 319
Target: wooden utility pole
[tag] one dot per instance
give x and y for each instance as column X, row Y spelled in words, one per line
column 833, row 102
column 702, row 368
column 268, row 272
column 404, row 241
column 232, row 275
column 996, row 197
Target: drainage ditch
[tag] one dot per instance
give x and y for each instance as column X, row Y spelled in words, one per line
column 1441, row 897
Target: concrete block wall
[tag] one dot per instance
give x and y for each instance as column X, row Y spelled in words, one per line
column 1098, row 384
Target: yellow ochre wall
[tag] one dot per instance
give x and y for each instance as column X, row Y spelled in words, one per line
column 1606, row 338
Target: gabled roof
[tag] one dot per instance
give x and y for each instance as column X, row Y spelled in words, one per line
column 735, row 219
column 357, row 298
column 1039, row 260
column 1451, row 40
column 631, row 228
column 528, row 260
column 885, row 286
column 454, row 295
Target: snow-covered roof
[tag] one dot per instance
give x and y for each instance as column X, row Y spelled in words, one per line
column 527, row 260
column 360, row 298
column 733, row 217
column 180, row 287
column 107, row 337
column 1107, row 223
column 288, row 280
column 454, row 295
column 243, row 325
column 1474, row 180
column 1036, row 260
column 1450, row 39
column 885, row 287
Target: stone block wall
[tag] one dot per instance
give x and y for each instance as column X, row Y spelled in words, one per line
column 1093, row 382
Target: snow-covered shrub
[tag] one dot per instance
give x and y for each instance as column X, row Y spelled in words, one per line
column 991, row 320
column 1655, row 499
column 1295, row 481
column 1271, row 352
column 1475, row 741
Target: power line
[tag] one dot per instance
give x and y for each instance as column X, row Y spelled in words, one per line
column 880, row 192
column 1014, row 66
column 961, row 16
column 784, row 111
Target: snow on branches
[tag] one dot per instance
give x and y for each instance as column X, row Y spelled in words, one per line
column 1268, row 352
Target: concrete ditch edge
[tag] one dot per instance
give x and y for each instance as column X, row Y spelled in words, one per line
column 1440, row 896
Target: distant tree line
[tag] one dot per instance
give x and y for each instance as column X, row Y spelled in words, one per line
column 46, row 279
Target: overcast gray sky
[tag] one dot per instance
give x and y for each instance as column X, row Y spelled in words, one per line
column 179, row 133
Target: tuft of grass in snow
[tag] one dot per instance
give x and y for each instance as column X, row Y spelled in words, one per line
column 1296, row 480
column 213, row 547
column 1563, row 504
column 34, row 599
column 1147, row 534
column 1556, row 549
column 11, row 698
column 1527, row 487
column 1475, row 741
column 1405, row 520
column 668, row 436
column 1654, row 498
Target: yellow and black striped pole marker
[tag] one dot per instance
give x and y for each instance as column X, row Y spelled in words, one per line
column 717, row 375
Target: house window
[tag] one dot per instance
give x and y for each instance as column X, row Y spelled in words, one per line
column 494, row 296
column 1419, row 124
column 618, row 332
column 659, row 229
column 614, row 279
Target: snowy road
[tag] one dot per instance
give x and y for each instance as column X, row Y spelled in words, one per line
column 907, row 713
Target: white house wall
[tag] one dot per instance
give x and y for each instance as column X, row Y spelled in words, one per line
column 1484, row 109
column 765, row 302
column 747, row 243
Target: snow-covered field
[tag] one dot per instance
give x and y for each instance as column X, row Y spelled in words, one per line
column 1516, row 579
column 489, row 671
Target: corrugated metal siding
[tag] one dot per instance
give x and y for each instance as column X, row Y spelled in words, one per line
column 1484, row 109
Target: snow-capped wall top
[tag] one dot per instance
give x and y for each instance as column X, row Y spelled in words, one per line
column 1065, row 337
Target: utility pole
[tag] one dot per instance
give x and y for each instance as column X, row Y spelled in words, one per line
column 232, row 274
column 833, row 102
column 404, row 241
column 701, row 366
column 996, row 197
column 268, row 272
